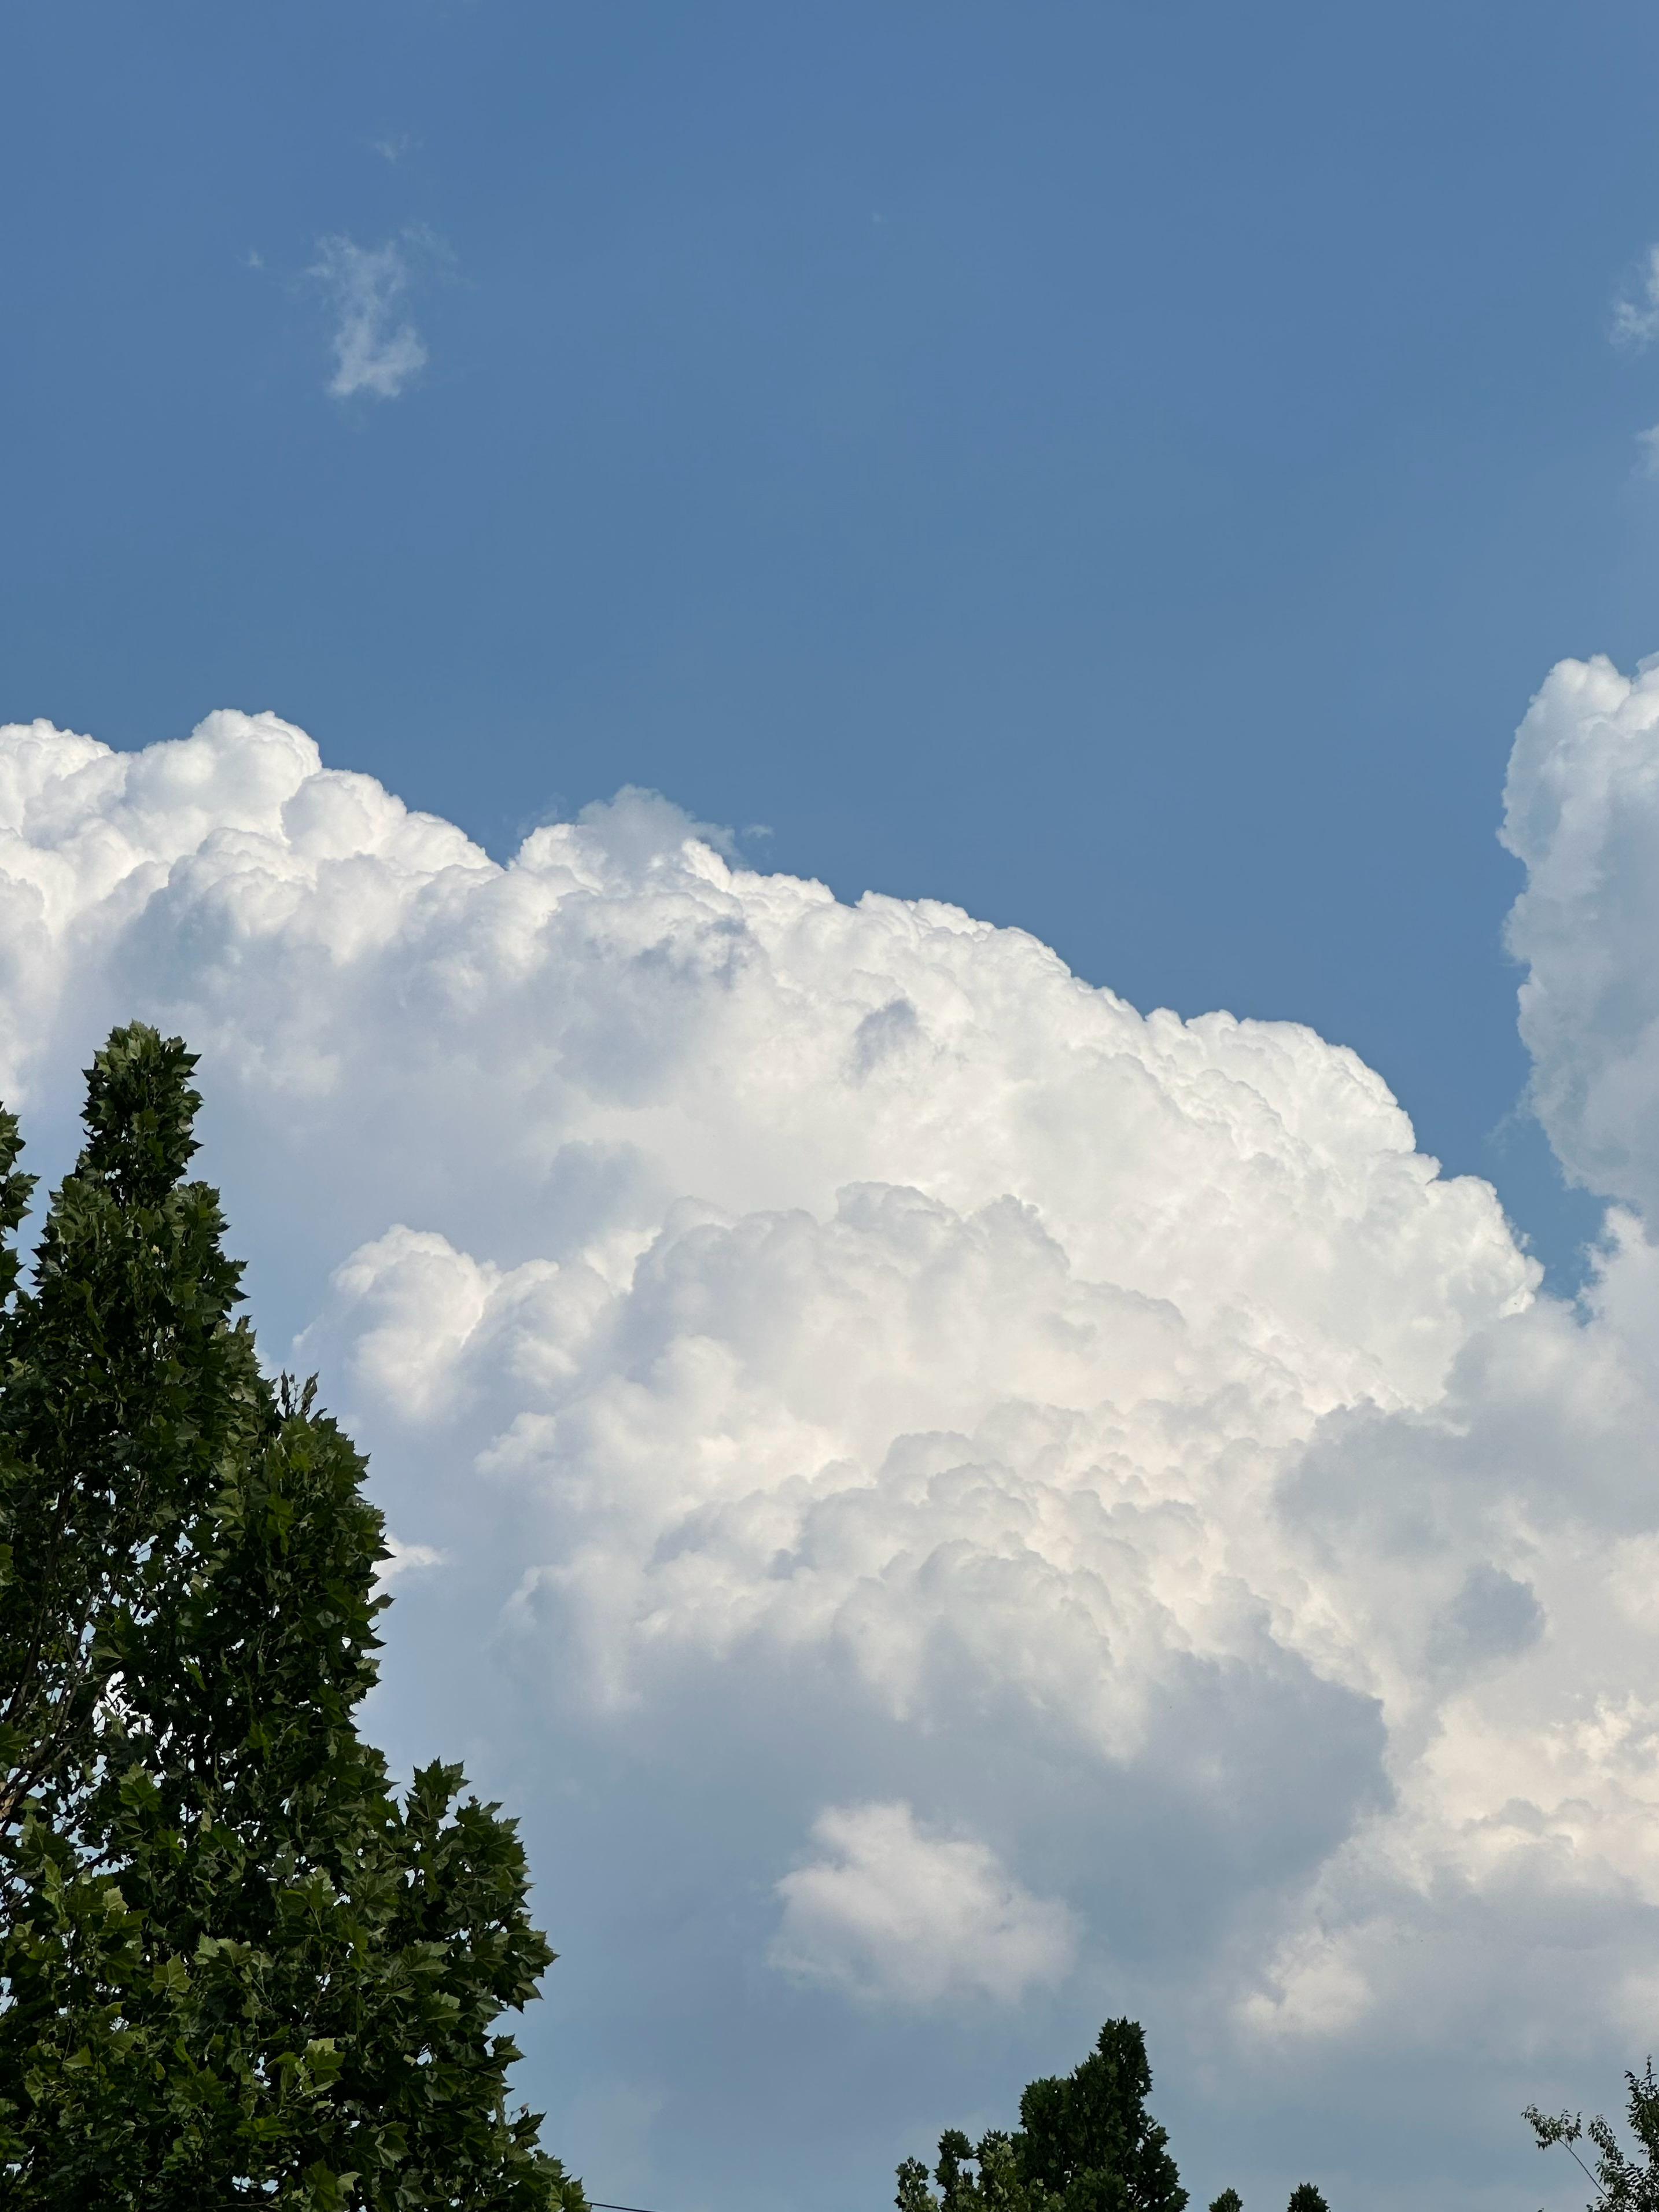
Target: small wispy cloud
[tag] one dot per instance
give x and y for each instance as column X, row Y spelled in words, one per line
column 405, row 1558
column 395, row 146
column 376, row 350
column 1635, row 322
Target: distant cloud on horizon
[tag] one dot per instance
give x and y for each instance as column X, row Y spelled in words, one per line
column 374, row 351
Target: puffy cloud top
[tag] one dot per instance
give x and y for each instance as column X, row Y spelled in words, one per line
column 1082, row 1472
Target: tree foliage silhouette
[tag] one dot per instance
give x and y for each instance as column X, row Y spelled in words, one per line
column 1085, row 2143
column 235, row 1966
column 1623, row 2183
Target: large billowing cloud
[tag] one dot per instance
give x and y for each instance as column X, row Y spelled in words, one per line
column 1032, row 1509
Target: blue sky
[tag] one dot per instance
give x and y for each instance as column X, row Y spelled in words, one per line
column 1123, row 470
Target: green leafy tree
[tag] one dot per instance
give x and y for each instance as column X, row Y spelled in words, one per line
column 1229, row 2201
column 1306, row 2199
column 1623, row 2183
column 235, row 1967
column 1085, row 2143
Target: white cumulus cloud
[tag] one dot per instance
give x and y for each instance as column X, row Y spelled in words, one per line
column 376, row 349
column 831, row 1356
column 889, row 1914
column 1581, row 810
